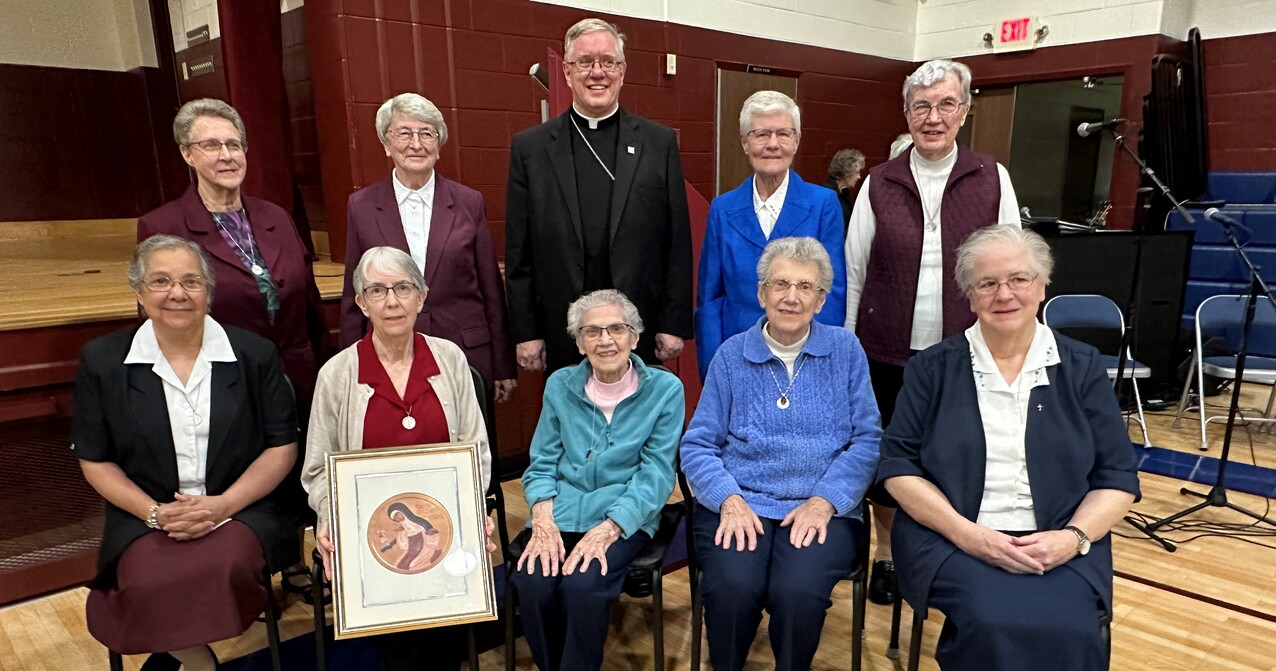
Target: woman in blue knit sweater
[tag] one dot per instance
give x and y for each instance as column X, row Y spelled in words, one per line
column 601, row 470
column 783, row 445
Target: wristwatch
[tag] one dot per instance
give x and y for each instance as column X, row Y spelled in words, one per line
column 1083, row 541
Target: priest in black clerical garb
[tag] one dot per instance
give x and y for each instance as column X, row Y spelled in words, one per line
column 596, row 200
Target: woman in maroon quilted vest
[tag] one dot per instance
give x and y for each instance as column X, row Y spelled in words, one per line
column 910, row 216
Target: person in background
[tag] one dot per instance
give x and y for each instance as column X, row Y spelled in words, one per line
column 186, row 427
column 844, row 174
column 441, row 224
column 901, row 144
column 1011, row 462
column 772, row 203
column 596, row 200
column 910, row 216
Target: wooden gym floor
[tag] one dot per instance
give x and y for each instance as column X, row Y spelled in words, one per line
column 1210, row 605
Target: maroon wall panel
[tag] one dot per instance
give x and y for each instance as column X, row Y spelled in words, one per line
column 301, row 118
column 1240, row 87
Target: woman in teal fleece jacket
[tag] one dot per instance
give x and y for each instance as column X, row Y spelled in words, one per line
column 601, row 469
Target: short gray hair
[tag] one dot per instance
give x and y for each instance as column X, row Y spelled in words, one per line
column 765, row 103
column 800, row 250
column 412, row 106
column 593, row 25
column 970, row 251
column 213, row 107
column 846, row 162
column 932, row 72
column 158, row 243
column 388, row 260
column 900, row 144
column 597, row 299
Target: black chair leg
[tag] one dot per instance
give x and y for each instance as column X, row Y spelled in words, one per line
column 321, row 624
column 892, row 648
column 272, row 626
column 472, row 644
column 697, row 618
column 658, row 619
column 509, row 617
column 117, row 662
column 857, row 622
column 915, row 644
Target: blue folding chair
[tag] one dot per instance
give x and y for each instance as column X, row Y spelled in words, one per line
column 1222, row 318
column 1092, row 311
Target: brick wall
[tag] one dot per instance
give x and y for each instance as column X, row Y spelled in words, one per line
column 1240, row 87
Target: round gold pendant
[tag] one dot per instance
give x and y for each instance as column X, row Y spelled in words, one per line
column 782, row 403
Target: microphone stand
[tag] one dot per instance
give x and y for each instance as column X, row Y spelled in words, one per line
column 1217, row 496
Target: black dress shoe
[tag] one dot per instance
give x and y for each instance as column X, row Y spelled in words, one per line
column 161, row 661
column 883, row 586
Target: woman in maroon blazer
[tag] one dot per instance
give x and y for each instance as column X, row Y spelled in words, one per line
column 265, row 279
column 441, row 224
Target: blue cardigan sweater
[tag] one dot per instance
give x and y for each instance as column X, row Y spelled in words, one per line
column 1075, row 441
column 595, row 470
column 825, row 444
column 727, row 291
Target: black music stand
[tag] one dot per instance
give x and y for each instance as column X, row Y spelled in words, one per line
column 1217, row 496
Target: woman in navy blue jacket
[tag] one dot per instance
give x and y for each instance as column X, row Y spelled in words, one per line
column 771, row 204
column 1010, row 461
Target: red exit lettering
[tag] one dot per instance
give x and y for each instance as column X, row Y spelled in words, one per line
column 1014, row 30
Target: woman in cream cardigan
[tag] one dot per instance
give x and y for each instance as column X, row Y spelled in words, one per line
column 393, row 387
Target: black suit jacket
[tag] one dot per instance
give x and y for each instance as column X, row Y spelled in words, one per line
column 466, row 303
column 649, row 227
column 120, row 416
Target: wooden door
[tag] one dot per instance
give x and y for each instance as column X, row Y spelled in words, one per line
column 734, row 87
column 991, row 122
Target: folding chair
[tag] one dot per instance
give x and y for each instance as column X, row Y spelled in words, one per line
column 1222, row 318
column 1092, row 311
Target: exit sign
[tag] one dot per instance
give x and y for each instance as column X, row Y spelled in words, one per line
column 1015, row 34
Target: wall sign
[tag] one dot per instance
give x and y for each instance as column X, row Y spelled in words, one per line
column 1015, row 34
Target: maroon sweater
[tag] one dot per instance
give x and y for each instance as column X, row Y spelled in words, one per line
column 972, row 199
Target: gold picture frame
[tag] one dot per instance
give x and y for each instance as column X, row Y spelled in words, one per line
column 408, row 524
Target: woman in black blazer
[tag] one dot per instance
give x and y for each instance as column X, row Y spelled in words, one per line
column 186, row 428
column 1010, row 461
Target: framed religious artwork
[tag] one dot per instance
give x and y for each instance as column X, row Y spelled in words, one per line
column 408, row 526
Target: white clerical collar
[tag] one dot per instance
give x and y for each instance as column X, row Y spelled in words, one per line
column 146, row 349
column 940, row 165
column 402, row 192
column 594, row 121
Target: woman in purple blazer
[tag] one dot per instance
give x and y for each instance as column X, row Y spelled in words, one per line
column 441, row 224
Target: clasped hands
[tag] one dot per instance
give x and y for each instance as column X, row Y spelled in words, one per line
column 189, row 517
column 546, row 544
column 807, row 523
column 1034, row 553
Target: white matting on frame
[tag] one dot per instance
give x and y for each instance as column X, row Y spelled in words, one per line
column 408, row 524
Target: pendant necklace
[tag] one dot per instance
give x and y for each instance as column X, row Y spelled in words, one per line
column 409, row 422
column 932, row 216
column 255, row 268
column 783, row 402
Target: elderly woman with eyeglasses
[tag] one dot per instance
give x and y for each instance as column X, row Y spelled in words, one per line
column 911, row 214
column 780, row 451
column 772, row 203
column 394, row 387
column 601, row 470
column 1010, row 462
column 442, row 225
column 185, row 427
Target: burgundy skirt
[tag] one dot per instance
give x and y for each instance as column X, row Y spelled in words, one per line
column 173, row 595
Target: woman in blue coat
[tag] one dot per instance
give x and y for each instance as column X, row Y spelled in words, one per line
column 774, row 203
column 1010, row 462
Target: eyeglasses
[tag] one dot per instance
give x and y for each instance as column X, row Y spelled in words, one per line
column 781, row 286
column 215, row 146
column 763, row 135
column 616, row 331
column 403, row 136
column 988, row 286
column 921, row 109
column 402, row 290
column 587, row 64
column 192, row 284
